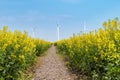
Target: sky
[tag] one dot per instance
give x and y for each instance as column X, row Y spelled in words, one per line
column 42, row 16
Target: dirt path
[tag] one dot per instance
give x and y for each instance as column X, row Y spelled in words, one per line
column 53, row 68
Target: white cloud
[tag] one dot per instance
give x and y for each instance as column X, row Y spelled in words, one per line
column 65, row 16
column 71, row 1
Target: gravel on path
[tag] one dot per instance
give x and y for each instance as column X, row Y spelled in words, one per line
column 53, row 68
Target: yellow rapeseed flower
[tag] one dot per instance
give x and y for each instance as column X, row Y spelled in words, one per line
column 22, row 57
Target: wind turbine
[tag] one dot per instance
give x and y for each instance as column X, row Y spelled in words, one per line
column 33, row 31
column 84, row 26
column 58, row 32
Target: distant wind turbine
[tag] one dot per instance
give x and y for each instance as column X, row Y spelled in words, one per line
column 33, row 31
column 58, row 32
column 84, row 27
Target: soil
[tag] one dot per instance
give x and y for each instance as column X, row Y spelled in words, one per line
column 52, row 68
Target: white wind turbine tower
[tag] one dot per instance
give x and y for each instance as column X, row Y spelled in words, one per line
column 58, row 32
column 33, row 31
column 84, row 26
